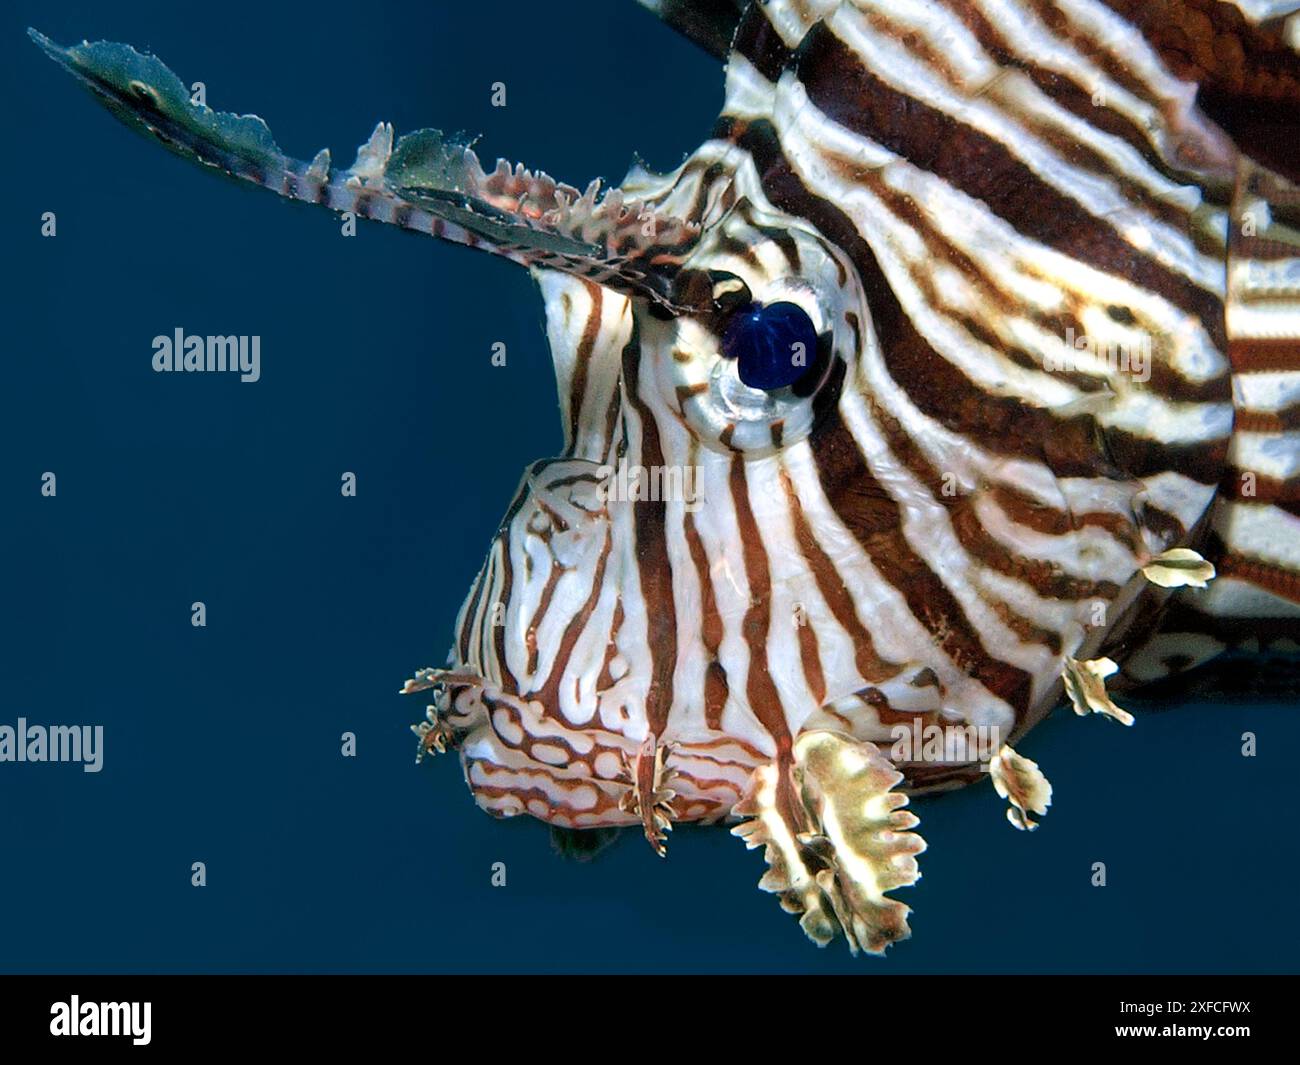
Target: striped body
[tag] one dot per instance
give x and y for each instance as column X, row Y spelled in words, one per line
column 945, row 521
column 1054, row 389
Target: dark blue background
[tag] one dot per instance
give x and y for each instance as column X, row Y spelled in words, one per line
column 222, row 744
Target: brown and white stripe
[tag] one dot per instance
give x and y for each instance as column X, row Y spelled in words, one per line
column 984, row 178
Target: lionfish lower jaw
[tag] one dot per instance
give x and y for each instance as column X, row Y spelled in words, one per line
column 511, row 750
column 425, row 181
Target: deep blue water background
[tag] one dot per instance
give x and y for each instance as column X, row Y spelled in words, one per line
column 222, row 743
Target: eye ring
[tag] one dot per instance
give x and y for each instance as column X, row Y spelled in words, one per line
column 696, row 377
column 774, row 344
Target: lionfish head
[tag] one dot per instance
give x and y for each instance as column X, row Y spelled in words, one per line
column 826, row 466
column 683, row 369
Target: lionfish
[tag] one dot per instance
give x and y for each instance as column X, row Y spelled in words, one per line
column 974, row 323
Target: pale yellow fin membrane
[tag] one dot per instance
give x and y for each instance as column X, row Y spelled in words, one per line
column 1021, row 782
column 1085, row 684
column 836, row 839
column 1179, row 567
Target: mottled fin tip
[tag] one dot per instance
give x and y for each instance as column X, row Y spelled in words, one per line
column 1085, row 684
column 1020, row 782
column 1179, row 567
column 141, row 91
column 836, row 839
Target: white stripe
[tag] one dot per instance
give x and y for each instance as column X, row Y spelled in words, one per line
column 888, row 60
column 1262, row 531
column 928, row 530
column 1272, row 391
column 1276, row 318
column 1272, row 454
column 1229, row 597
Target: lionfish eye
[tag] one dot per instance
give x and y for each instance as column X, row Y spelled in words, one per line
column 773, row 344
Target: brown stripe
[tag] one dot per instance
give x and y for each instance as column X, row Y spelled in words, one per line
column 1002, row 424
column 1042, row 576
column 548, row 694
column 605, row 680
column 1065, row 89
column 870, row 666
column 711, row 630
column 764, row 699
column 1272, row 578
column 1268, row 421
column 1029, row 512
column 810, row 659
column 1264, row 354
column 1076, row 150
column 654, row 563
column 1182, row 616
column 984, row 169
column 1285, row 495
column 1211, row 43
column 999, row 303
column 486, row 665
column 509, row 683
column 1264, row 489
column 582, row 359
column 476, row 595
column 982, row 545
column 535, row 622
column 758, row 42
column 872, row 516
column 1059, row 23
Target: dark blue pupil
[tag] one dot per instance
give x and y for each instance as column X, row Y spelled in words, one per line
column 774, row 345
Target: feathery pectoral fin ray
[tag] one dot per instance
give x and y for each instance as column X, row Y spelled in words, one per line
column 837, row 838
column 1019, row 780
column 425, row 181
